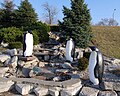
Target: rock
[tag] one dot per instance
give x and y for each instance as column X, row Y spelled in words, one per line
column 23, row 89
column 56, row 78
column 4, row 44
column 40, row 91
column 4, row 57
column 53, row 91
column 5, row 84
column 116, row 86
column 71, row 87
column 11, row 52
column 30, row 58
column 107, row 93
column 89, row 91
column 80, row 53
column 25, row 72
column 62, row 70
column 3, row 70
column 71, row 91
column 41, row 64
column 66, row 65
column 13, row 62
column 7, row 62
column 88, row 50
column 21, row 63
column 107, row 85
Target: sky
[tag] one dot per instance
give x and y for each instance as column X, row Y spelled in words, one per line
column 98, row 8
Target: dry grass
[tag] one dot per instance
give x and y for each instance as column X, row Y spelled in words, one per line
column 107, row 39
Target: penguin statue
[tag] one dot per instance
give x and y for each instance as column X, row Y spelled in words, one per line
column 28, row 44
column 70, row 48
column 96, row 66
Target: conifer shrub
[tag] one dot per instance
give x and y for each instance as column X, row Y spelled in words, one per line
column 82, row 63
column 16, row 45
column 86, row 55
column 11, row 34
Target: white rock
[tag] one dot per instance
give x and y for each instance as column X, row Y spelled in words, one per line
column 4, row 57
column 4, row 44
column 40, row 91
column 23, row 89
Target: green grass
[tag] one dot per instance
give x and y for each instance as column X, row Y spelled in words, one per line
column 107, row 39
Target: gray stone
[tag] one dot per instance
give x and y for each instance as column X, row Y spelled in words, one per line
column 40, row 91
column 11, row 52
column 3, row 70
column 26, row 71
column 4, row 57
column 116, row 86
column 71, row 87
column 66, row 65
column 107, row 85
column 23, row 89
column 70, row 91
column 71, row 83
column 13, row 62
column 54, row 92
column 21, row 63
column 88, row 91
column 5, row 84
column 7, row 62
column 107, row 93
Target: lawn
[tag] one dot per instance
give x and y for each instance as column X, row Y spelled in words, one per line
column 107, row 39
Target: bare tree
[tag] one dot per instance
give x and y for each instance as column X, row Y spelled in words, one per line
column 107, row 22
column 50, row 13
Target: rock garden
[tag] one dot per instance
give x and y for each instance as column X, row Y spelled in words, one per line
column 47, row 72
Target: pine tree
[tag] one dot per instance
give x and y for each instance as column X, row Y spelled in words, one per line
column 76, row 23
column 7, row 14
column 26, row 15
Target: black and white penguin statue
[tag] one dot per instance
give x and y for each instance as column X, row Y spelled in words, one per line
column 70, row 48
column 96, row 66
column 28, row 44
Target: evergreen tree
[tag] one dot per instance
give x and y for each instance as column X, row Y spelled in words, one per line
column 26, row 15
column 7, row 14
column 76, row 23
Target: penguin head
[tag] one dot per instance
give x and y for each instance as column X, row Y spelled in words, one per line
column 29, row 31
column 94, row 48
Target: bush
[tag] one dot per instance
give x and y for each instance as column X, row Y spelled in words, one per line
column 15, row 45
column 86, row 55
column 11, row 34
column 35, row 37
column 41, row 29
column 82, row 63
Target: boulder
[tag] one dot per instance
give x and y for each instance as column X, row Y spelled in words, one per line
column 4, row 57
column 3, row 70
column 89, row 91
column 11, row 52
column 107, row 93
column 40, row 91
column 13, row 62
column 23, row 89
column 5, row 84
column 53, row 92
